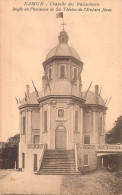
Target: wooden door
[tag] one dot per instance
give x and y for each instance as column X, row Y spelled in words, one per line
column 60, row 138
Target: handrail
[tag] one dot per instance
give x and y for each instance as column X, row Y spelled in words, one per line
column 40, row 161
column 76, row 159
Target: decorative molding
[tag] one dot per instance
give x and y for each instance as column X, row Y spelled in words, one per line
column 66, row 58
column 37, row 111
column 72, row 98
column 27, row 107
column 52, row 103
column 61, row 120
column 95, row 107
column 60, row 113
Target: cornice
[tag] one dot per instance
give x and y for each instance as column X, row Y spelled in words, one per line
column 72, row 98
column 28, row 106
column 62, row 58
column 95, row 107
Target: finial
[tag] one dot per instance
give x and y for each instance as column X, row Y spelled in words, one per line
column 63, row 24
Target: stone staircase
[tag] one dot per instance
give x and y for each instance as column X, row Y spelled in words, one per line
column 58, row 162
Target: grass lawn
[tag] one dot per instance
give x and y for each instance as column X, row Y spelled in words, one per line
column 100, row 182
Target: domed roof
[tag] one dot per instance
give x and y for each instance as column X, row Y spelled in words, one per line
column 63, row 49
column 32, row 99
column 91, row 98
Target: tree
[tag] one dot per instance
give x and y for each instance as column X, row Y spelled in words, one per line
column 115, row 134
column 9, row 152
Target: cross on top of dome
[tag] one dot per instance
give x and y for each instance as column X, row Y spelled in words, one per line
column 63, row 24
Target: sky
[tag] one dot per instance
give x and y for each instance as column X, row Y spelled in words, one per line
column 27, row 37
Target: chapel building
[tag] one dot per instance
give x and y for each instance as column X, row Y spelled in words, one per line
column 61, row 118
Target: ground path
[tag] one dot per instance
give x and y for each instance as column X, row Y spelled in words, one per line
column 96, row 183
column 27, row 183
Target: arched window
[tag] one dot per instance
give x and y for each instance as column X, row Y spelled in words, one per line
column 62, row 71
column 75, row 73
column 50, row 74
column 86, row 163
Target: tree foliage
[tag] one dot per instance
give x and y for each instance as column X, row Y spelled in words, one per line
column 9, row 152
column 115, row 134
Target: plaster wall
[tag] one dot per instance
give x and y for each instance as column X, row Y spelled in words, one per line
column 92, row 158
column 35, row 119
column 29, row 157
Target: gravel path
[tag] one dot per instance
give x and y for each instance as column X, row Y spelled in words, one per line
column 25, row 183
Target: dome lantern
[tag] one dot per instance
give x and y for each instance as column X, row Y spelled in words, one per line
column 63, row 37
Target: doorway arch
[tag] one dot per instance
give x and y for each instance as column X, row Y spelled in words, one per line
column 60, row 138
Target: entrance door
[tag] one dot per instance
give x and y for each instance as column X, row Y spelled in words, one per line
column 60, row 138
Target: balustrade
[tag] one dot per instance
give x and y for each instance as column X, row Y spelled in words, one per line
column 99, row 147
column 37, row 146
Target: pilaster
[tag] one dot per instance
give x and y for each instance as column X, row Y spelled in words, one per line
column 72, row 122
column 48, row 125
column 28, row 126
column 95, row 133
column 41, row 124
column 81, row 127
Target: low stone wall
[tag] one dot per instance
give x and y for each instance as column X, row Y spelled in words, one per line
column 89, row 151
column 29, row 150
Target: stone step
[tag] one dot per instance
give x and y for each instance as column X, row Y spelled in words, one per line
column 55, row 168
column 57, row 165
column 59, row 150
column 58, row 162
column 59, row 153
column 58, row 157
column 57, row 173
